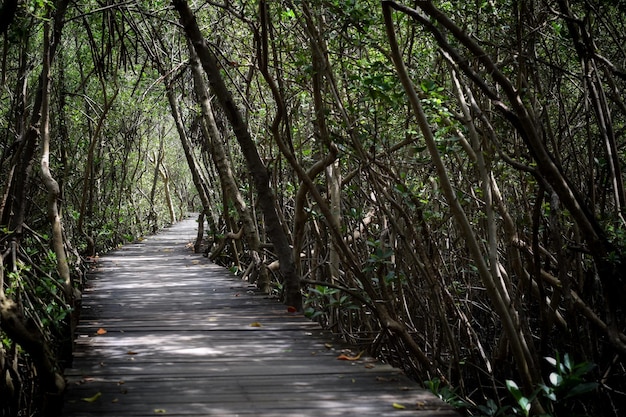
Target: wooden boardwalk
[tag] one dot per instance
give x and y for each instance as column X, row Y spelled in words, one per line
column 165, row 332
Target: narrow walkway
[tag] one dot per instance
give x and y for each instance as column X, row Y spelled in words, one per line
column 165, row 332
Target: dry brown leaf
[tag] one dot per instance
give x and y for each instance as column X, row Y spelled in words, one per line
column 101, row 331
column 344, row 357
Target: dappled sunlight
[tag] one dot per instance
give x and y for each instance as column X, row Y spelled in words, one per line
column 115, row 344
column 174, row 334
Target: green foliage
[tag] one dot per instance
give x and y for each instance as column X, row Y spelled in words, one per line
column 567, row 383
column 491, row 409
column 381, row 255
column 444, row 392
column 524, row 404
column 321, row 299
column 363, row 106
column 39, row 8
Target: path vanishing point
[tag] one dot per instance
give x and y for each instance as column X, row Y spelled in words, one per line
column 164, row 331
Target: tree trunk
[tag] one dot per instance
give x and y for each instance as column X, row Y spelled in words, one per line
column 607, row 257
column 52, row 186
column 222, row 165
column 498, row 295
column 267, row 200
column 184, row 139
column 165, row 177
column 13, row 320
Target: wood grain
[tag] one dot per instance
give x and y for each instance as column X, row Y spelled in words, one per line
column 186, row 338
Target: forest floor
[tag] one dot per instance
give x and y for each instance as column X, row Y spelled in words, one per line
column 164, row 331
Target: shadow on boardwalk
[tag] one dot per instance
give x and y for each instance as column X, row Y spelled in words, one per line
column 165, row 332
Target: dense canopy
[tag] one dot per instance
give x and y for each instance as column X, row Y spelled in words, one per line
column 438, row 182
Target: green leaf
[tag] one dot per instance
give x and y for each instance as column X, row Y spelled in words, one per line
column 567, row 362
column 92, row 399
column 288, row 14
column 551, row 361
column 583, row 388
column 524, row 403
column 556, row 379
column 514, row 390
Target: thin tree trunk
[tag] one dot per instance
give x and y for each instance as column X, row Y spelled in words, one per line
column 184, row 139
column 50, row 183
column 333, row 175
column 321, row 132
column 153, row 219
column 607, row 257
column 88, row 184
column 165, row 177
column 528, row 370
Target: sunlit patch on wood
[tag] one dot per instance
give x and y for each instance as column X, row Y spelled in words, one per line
column 166, row 334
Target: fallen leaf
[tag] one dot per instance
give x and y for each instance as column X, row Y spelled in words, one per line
column 115, row 400
column 159, row 411
column 370, row 365
column 291, row 309
column 92, row 399
column 256, row 324
column 328, row 345
column 101, row 331
column 398, row 406
column 344, row 357
column 131, row 352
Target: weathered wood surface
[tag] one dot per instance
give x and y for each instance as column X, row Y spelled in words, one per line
column 181, row 341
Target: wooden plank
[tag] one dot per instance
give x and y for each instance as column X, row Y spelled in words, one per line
column 185, row 338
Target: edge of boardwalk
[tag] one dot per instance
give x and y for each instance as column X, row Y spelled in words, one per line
column 164, row 331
